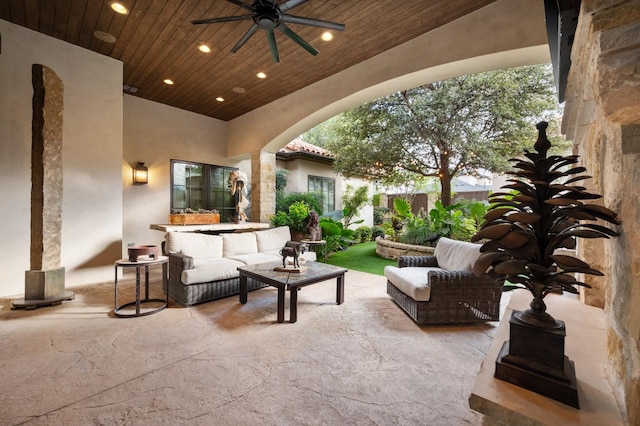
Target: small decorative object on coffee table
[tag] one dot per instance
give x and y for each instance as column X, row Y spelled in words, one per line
column 313, row 273
column 292, row 249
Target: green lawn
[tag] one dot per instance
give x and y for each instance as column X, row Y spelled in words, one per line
column 361, row 257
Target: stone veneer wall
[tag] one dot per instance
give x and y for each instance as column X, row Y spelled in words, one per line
column 263, row 186
column 602, row 117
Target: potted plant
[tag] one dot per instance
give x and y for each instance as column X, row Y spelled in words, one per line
column 545, row 211
column 294, row 219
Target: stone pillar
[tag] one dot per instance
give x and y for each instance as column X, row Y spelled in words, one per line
column 45, row 280
column 263, row 186
column 602, row 115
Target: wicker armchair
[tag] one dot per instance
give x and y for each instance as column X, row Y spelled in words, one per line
column 430, row 294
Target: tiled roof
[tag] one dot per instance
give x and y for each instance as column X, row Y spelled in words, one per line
column 299, row 146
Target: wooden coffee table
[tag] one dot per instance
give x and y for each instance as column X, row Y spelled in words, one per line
column 311, row 273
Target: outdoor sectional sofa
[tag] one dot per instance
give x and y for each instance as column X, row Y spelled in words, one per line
column 204, row 267
column 442, row 289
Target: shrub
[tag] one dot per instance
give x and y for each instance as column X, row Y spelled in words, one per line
column 312, row 200
column 362, row 234
column 378, row 214
column 377, row 231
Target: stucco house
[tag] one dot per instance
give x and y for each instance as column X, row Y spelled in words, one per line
column 310, row 170
column 108, row 126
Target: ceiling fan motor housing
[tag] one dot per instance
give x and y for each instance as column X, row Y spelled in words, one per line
column 266, row 15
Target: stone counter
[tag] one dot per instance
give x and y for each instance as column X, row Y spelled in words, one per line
column 503, row 403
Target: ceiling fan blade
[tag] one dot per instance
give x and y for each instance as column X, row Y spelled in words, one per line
column 295, row 37
column 223, row 19
column 291, row 19
column 290, row 4
column 241, row 4
column 271, row 37
column 244, row 38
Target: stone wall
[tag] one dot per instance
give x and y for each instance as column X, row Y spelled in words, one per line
column 602, row 117
column 393, row 250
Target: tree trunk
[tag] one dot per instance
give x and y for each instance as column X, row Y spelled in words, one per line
column 445, row 193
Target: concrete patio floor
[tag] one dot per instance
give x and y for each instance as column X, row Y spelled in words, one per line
column 222, row 363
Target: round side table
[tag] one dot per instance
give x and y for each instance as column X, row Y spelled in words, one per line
column 139, row 303
column 313, row 246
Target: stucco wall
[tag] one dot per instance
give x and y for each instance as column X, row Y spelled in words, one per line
column 602, row 117
column 155, row 134
column 91, row 150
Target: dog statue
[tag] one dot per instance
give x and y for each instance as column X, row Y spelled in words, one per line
column 292, row 249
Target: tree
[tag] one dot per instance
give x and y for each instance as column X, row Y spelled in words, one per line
column 445, row 128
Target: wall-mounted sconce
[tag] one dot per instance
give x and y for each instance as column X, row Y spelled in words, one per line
column 140, row 174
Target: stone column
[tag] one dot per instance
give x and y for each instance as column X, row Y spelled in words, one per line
column 45, row 279
column 263, row 186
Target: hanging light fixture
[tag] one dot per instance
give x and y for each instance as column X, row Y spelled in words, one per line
column 140, row 174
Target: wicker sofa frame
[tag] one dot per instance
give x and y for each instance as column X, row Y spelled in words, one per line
column 192, row 294
column 457, row 297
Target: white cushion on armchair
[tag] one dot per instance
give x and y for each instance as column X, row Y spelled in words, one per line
column 456, row 255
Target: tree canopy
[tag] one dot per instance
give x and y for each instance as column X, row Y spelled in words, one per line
column 445, row 128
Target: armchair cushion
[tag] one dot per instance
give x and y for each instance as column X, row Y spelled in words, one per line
column 455, row 255
column 412, row 281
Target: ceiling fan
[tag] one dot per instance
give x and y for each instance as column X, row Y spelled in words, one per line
column 269, row 16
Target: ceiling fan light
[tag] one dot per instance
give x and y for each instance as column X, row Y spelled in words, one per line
column 327, row 36
column 261, row 75
column 204, row 48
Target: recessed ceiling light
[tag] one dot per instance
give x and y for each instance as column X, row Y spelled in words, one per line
column 204, row 48
column 168, row 81
column 106, row 37
column 261, row 75
column 239, row 89
column 119, row 8
column 327, row 36
column 220, row 99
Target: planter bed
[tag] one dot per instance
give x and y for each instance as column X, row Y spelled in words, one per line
column 393, row 250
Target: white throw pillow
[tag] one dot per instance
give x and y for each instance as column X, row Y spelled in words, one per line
column 456, row 255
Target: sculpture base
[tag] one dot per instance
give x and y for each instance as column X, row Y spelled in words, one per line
column 533, row 358
column 288, row 269
column 34, row 304
column 44, row 284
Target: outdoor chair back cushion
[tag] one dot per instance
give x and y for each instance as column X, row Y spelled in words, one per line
column 196, row 245
column 456, row 255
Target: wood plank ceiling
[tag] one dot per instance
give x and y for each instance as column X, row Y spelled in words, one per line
column 156, row 40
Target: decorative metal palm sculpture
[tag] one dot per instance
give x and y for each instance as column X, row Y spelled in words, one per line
column 523, row 229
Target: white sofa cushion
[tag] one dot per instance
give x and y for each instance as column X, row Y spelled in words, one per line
column 205, row 270
column 456, row 255
column 239, row 243
column 196, row 245
column 272, row 239
column 412, row 281
column 254, row 258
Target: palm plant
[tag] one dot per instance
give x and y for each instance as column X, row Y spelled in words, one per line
column 544, row 212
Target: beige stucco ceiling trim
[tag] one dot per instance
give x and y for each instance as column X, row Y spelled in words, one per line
column 505, row 34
